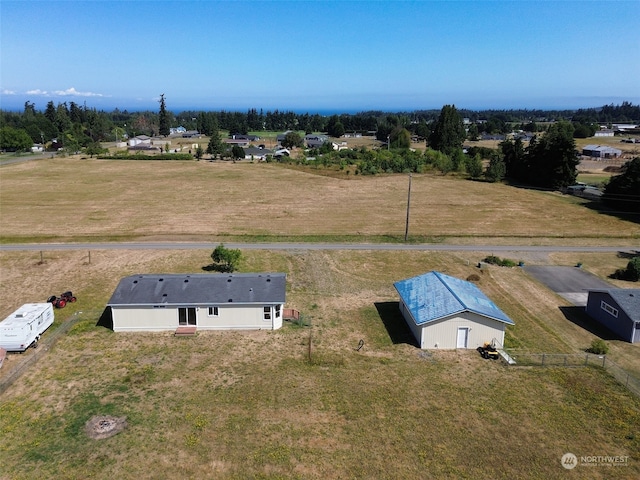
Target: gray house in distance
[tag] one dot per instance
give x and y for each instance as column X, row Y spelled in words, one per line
column 314, row 141
column 180, row 302
column 618, row 309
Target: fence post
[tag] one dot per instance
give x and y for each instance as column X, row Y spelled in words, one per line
column 604, row 359
column 543, row 359
column 586, row 359
column 565, row 360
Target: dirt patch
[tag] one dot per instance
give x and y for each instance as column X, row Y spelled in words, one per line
column 104, row 426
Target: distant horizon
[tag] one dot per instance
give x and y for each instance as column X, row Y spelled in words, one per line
column 18, row 106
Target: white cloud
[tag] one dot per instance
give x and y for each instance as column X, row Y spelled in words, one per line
column 37, row 91
column 8, row 92
column 72, row 92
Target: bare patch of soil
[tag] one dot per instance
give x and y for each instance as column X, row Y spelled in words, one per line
column 104, row 426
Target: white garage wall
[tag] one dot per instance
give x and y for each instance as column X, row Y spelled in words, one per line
column 443, row 334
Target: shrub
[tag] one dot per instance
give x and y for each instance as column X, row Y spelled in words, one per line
column 633, row 269
column 599, row 347
column 631, row 273
column 502, row 262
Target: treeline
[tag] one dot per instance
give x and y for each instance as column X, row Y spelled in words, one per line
column 73, row 124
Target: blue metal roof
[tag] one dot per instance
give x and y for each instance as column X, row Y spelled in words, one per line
column 434, row 295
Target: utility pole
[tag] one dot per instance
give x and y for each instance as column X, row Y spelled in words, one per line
column 406, row 230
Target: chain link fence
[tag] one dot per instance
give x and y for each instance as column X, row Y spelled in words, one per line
column 32, row 355
column 526, row 359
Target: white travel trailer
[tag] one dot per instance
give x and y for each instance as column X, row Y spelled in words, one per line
column 24, row 327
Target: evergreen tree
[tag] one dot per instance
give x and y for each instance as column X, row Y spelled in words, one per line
column 215, row 147
column 448, row 134
column 553, row 160
column 515, row 158
column 237, row 152
column 623, row 191
column 50, row 112
column 497, row 168
column 163, row 118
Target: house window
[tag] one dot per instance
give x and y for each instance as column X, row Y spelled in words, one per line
column 267, row 313
column 278, row 311
column 609, row 309
column 213, row 311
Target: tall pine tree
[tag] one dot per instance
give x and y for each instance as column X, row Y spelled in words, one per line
column 448, row 133
column 164, row 118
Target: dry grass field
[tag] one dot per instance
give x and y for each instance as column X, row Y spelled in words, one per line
column 71, row 199
column 235, row 405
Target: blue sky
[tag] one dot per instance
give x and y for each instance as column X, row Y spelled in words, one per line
column 339, row 56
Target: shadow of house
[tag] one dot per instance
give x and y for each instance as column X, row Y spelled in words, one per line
column 629, row 255
column 106, row 319
column 395, row 323
column 579, row 317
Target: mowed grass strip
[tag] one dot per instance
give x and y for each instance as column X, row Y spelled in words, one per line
column 83, row 199
column 256, row 405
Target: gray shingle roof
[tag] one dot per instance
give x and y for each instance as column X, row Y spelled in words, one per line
column 200, row 289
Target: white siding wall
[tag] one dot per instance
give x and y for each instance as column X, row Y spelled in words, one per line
column 230, row 317
column 144, row 319
column 444, row 333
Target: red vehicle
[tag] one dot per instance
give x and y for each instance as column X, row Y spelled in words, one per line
column 68, row 297
column 62, row 300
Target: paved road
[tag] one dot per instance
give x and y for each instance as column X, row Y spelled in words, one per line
column 26, row 158
column 309, row 246
column 571, row 283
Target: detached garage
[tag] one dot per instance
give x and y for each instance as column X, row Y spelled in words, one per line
column 446, row 312
column 245, row 301
column 618, row 309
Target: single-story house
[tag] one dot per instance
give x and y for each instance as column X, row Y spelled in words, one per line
column 165, row 302
column 139, row 140
column 618, row 309
column 604, row 132
column 445, row 312
column 240, row 136
column 191, row 134
column 281, row 136
column 314, row 141
column 239, row 142
column 601, row 151
column 177, row 130
column 255, row 153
